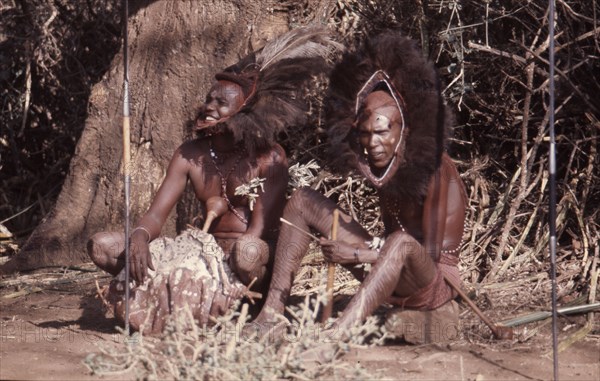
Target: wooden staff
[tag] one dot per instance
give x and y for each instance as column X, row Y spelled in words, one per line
column 331, row 271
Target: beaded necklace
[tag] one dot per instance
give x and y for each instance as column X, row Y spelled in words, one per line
column 214, row 158
column 393, row 210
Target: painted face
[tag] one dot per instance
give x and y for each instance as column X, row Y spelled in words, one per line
column 224, row 99
column 379, row 128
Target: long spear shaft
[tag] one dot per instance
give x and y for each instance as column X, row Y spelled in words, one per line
column 552, row 206
column 126, row 156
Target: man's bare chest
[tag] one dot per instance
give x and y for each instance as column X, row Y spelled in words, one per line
column 221, row 176
column 401, row 215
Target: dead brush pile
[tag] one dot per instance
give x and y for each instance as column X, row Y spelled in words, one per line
column 51, row 54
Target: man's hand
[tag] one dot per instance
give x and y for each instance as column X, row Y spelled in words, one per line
column 140, row 259
column 338, row 251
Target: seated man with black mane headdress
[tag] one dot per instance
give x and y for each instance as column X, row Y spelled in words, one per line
column 386, row 119
column 247, row 106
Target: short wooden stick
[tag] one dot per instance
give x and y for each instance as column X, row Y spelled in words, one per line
column 327, row 310
column 210, row 216
column 299, row 229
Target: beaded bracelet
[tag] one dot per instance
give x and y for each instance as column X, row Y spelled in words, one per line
column 141, row 228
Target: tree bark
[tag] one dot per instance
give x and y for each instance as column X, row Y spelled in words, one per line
column 175, row 48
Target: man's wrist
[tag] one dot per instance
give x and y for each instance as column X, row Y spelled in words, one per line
column 141, row 233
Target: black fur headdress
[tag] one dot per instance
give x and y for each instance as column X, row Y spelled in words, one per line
column 271, row 79
column 395, row 61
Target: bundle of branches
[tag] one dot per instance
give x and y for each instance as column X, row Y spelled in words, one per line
column 499, row 84
column 232, row 350
column 52, row 52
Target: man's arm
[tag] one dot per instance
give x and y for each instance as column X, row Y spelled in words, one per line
column 150, row 225
column 347, row 254
column 435, row 210
column 269, row 205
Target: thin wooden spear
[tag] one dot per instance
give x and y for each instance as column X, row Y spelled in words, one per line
column 552, row 201
column 126, row 156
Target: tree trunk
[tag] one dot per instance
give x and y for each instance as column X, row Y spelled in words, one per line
column 175, row 48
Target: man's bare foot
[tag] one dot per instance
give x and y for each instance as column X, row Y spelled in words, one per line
column 266, row 328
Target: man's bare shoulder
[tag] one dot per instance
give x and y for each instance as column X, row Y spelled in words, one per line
column 273, row 155
column 273, row 163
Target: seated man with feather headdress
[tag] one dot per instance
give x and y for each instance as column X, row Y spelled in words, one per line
column 387, row 120
column 247, row 106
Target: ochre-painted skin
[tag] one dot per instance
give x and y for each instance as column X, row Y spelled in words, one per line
column 405, row 264
column 224, row 99
column 375, row 132
column 192, row 162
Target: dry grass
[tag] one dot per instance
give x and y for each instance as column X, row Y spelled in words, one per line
column 231, row 350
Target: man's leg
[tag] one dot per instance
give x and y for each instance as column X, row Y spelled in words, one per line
column 403, row 266
column 106, row 249
column 306, row 209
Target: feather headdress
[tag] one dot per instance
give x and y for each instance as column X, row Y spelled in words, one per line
column 392, row 61
column 271, row 79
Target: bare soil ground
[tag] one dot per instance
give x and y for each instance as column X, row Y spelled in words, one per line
column 49, row 326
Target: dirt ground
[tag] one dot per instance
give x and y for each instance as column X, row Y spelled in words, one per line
column 49, row 326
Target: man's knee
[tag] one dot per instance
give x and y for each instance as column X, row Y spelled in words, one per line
column 104, row 245
column 250, row 255
column 413, row 255
column 300, row 197
column 94, row 248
